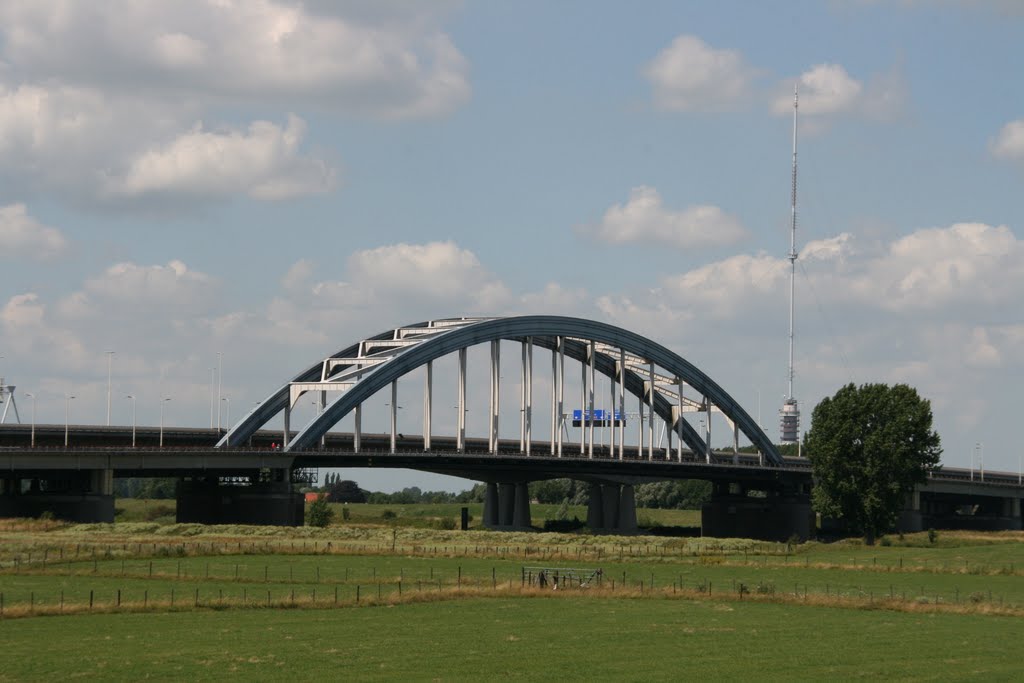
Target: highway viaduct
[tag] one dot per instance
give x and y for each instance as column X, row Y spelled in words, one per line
column 253, row 482
column 235, row 476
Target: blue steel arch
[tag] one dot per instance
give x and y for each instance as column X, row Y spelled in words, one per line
column 544, row 330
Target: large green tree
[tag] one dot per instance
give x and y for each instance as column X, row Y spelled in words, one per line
column 869, row 446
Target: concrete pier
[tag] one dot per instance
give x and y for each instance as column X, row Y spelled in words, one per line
column 507, row 506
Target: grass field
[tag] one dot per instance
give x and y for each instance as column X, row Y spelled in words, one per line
column 132, row 600
column 422, row 515
column 520, row 638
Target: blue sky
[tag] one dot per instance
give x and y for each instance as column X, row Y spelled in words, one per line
column 275, row 180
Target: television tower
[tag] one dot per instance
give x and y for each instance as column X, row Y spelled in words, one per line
column 789, row 415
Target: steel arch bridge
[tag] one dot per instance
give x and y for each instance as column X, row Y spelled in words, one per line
column 657, row 377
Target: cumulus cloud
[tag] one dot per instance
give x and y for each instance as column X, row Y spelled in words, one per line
column 126, row 290
column 824, row 89
column 263, row 162
column 966, row 264
column 690, row 75
column 101, row 100
column 829, row 90
column 23, row 236
column 383, row 63
column 644, row 218
column 1009, row 144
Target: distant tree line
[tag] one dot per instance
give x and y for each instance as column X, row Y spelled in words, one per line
column 160, row 488
column 684, row 495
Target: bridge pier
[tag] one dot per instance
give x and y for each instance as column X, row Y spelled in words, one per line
column 778, row 516
column 75, row 496
column 507, row 506
column 270, row 503
column 611, row 509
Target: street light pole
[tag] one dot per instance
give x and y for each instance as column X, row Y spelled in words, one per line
column 981, row 459
column 227, row 416
column 162, row 402
column 110, row 365
column 220, row 383
column 213, row 381
column 33, row 397
column 67, row 416
column 132, row 397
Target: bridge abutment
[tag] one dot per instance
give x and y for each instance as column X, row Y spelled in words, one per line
column 209, row 501
column 75, row 496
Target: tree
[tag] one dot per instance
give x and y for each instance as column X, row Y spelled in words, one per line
column 319, row 513
column 345, row 491
column 869, row 446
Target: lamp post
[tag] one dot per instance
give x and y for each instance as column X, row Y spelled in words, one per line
column 162, row 402
column 227, row 416
column 33, row 397
column 110, row 365
column 981, row 459
column 67, row 416
column 213, row 381
column 132, row 397
column 220, row 382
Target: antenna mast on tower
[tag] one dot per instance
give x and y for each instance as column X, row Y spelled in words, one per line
column 790, row 413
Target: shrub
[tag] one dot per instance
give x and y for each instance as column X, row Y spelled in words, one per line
column 445, row 523
column 346, row 513
column 933, row 535
column 320, row 512
column 388, row 514
column 885, row 541
column 157, row 511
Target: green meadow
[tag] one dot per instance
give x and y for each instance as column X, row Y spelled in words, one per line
column 383, row 600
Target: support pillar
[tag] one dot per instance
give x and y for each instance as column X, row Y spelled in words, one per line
column 595, row 508
column 506, row 504
column 460, row 442
column 394, row 416
column 627, row 510
column 911, row 518
column 287, row 426
column 622, row 403
column 428, row 407
column 650, row 417
column 357, row 431
column 592, row 353
column 610, row 497
column 492, row 518
column 521, row 513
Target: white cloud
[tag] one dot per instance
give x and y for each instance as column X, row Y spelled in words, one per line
column 1009, row 144
column 263, row 162
column 690, row 75
column 127, row 290
column 824, row 89
column 969, row 265
column 23, row 236
column 61, row 138
column 436, row 270
column 390, row 64
column 645, row 219
column 829, row 90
